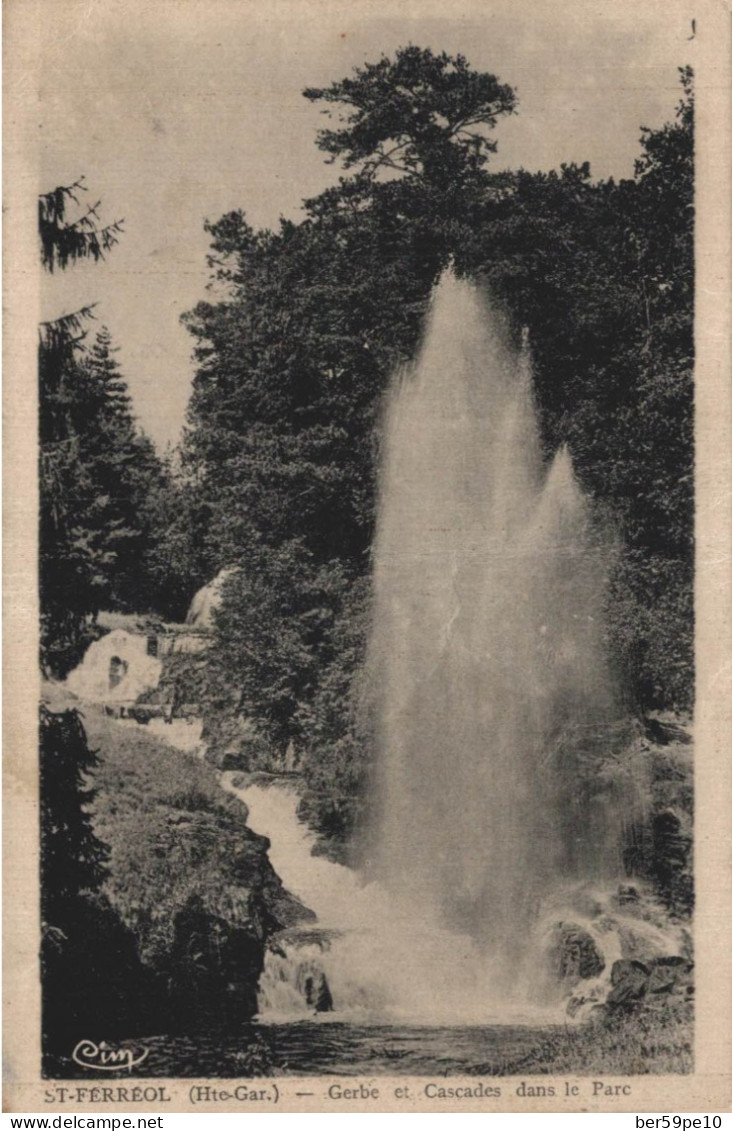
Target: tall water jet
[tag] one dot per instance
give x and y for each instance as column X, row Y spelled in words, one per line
column 502, row 802
column 492, row 688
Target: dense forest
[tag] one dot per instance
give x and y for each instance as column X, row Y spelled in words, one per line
column 284, row 420
column 277, row 470
column 106, row 495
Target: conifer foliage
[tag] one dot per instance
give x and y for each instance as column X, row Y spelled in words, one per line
column 292, row 366
column 98, row 475
column 65, row 241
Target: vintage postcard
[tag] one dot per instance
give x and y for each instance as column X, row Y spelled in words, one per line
column 367, row 579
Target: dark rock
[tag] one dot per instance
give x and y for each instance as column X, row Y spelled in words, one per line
column 671, row 860
column 589, row 1003
column 628, row 967
column 316, row 991
column 670, row 974
column 629, row 980
column 214, row 968
column 324, row 998
column 627, row 895
column 664, row 731
column 574, row 1005
column 229, row 760
column 662, row 979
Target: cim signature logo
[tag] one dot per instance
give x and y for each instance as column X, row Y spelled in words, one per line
column 106, row 1058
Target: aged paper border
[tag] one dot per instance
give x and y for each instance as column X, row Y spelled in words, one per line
column 710, row 1087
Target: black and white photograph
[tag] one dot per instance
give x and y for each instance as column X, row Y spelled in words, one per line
column 365, row 547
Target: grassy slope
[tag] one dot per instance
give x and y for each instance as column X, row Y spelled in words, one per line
column 653, row 1038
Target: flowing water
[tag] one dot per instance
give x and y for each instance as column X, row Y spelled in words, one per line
column 380, row 959
column 115, row 669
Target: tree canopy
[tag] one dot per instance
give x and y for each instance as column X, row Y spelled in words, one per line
column 421, row 114
column 99, row 477
column 65, row 241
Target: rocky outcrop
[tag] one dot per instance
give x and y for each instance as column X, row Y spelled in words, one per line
column 213, row 968
column 672, row 845
column 205, row 927
column 317, row 993
column 574, row 955
column 631, row 980
column 208, row 599
column 622, row 947
column 187, row 877
column 666, row 855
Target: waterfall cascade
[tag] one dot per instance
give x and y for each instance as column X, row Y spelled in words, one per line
column 115, row 669
column 373, row 952
column 493, row 703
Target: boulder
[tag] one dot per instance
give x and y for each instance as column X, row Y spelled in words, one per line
column 213, row 968
column 670, row 975
column 662, row 980
column 323, row 997
column 629, row 979
column 574, row 954
column 313, row 985
column 625, row 968
column 208, row 599
column 143, row 712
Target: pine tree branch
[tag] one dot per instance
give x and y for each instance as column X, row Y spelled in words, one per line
column 67, row 331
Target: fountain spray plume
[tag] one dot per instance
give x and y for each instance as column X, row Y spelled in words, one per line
column 487, row 657
column 501, row 810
